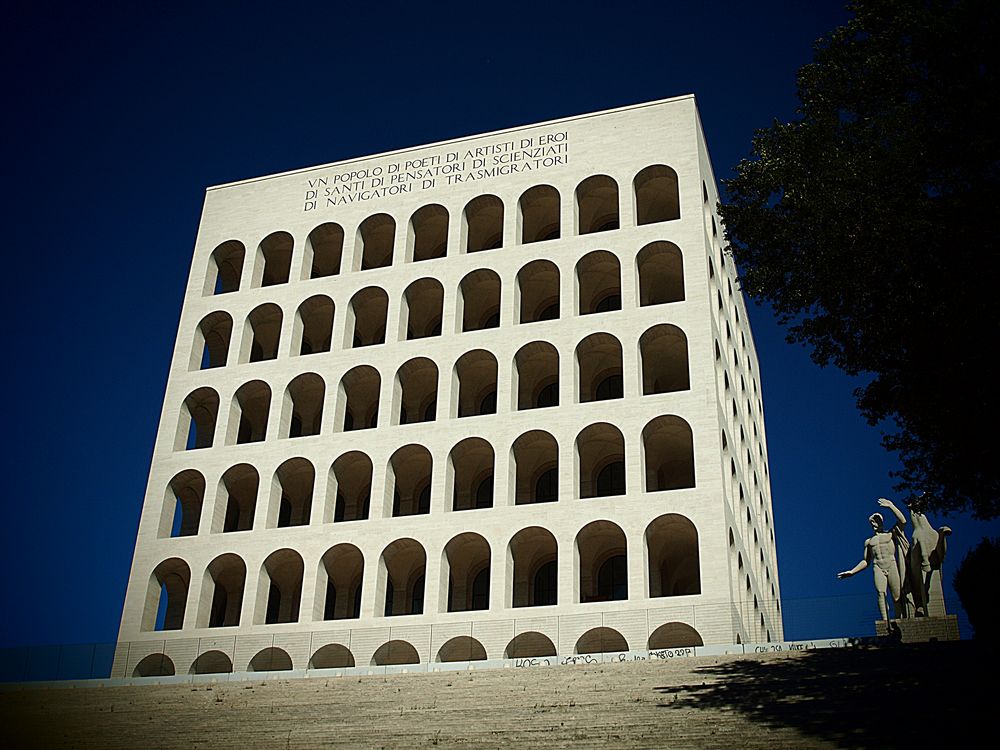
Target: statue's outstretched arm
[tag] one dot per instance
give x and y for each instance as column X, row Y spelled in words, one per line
column 887, row 504
column 859, row 567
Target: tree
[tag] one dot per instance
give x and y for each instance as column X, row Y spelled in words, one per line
column 869, row 225
column 976, row 585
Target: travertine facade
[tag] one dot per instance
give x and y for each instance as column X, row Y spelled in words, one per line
column 494, row 397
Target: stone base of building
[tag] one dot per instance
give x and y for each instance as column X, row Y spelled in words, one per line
column 919, row 629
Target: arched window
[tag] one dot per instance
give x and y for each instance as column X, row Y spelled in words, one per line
column 532, row 555
column 270, row 659
column 598, row 283
column 536, row 462
column 167, row 597
column 222, row 592
column 664, row 353
column 182, row 505
column 211, row 343
column 291, row 494
column 675, row 635
column 401, row 577
column 536, row 374
column 603, row 573
column 376, row 236
column 462, row 648
column 416, row 394
column 274, row 259
column 199, row 413
column 248, row 420
column 302, row 411
column 476, row 376
column 428, row 233
column 599, row 367
column 280, row 588
column 225, row 268
column 538, row 217
column 672, row 556
column 669, row 454
column 661, row 274
column 262, row 333
column 342, row 567
column 483, row 224
column 212, row 662
column 529, row 646
column 470, row 468
column 601, row 641
column 423, row 302
column 410, row 478
column 538, row 291
column 656, row 195
column 314, row 325
column 600, row 451
column 358, row 398
column 394, row 653
column 467, row 561
column 323, row 251
column 597, row 205
column 236, row 502
column 366, row 317
column 154, row 665
column 350, row 486
column 479, row 296
column 332, row 656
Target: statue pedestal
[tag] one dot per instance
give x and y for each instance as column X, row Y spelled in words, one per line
column 921, row 629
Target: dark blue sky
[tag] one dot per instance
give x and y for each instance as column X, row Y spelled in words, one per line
column 118, row 119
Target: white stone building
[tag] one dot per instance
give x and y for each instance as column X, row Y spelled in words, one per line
column 490, row 398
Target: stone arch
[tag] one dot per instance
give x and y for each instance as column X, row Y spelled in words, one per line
column 461, row 648
column 302, row 408
column 401, row 577
column 475, row 376
column 313, row 330
column 656, row 195
column 672, row 557
column 222, row 592
column 423, row 302
column 154, row 665
column 332, row 656
column 395, row 652
column 338, row 586
column 271, row 659
column 601, row 556
column 598, row 283
column 357, row 407
column 529, row 645
column 536, row 376
column 182, row 505
column 535, row 467
column 482, row 224
column 249, row 413
column 465, row 573
column 600, row 456
column 532, row 567
column 674, row 635
column 663, row 350
column 212, row 662
column 291, row 494
column 324, row 250
column 600, row 641
column 470, row 474
column 274, row 260
column 660, row 266
column 366, row 317
column 597, row 204
column 199, row 414
column 415, row 392
column 376, row 237
column 428, row 237
column 262, row 333
column 411, row 471
column 599, row 368
column 210, row 348
column 349, row 487
column 225, row 267
column 166, row 596
column 236, row 500
column 280, row 590
column 538, row 214
column 479, row 300
column 668, row 446
column 538, row 291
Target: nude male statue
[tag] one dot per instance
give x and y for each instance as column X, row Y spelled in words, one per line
column 888, row 567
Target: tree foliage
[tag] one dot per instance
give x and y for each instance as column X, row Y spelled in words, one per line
column 976, row 585
column 869, row 224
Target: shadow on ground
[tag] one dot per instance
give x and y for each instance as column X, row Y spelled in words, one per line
column 863, row 697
